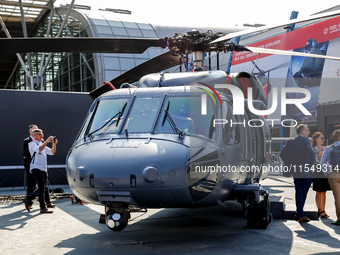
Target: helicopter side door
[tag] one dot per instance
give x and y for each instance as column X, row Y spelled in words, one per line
column 259, row 150
column 234, row 145
column 204, row 150
column 264, row 154
column 252, row 138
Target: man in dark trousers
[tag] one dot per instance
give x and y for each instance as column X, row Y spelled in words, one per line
column 298, row 156
column 30, row 181
column 38, row 167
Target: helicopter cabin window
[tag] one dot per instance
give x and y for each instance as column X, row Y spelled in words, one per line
column 231, row 132
column 184, row 114
column 108, row 115
column 142, row 115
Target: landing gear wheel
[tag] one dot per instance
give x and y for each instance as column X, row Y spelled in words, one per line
column 260, row 216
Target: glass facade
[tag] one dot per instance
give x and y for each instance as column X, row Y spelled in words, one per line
column 64, row 71
column 83, row 72
column 109, row 24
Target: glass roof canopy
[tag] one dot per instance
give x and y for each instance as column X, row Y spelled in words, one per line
column 33, row 9
column 10, row 13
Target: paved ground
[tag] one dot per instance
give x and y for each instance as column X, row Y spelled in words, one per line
column 74, row 229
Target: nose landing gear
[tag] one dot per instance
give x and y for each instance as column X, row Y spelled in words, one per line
column 256, row 205
column 258, row 214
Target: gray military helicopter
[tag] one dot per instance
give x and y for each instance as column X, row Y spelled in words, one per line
column 172, row 141
column 157, row 150
column 150, row 145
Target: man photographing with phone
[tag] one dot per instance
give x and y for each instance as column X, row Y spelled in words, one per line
column 39, row 151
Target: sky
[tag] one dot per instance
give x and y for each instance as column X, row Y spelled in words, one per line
column 218, row 13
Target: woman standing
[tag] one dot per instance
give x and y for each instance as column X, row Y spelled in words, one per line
column 320, row 180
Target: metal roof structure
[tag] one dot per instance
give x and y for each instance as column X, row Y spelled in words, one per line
column 19, row 19
column 11, row 11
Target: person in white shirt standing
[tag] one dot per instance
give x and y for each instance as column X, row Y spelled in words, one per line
column 39, row 151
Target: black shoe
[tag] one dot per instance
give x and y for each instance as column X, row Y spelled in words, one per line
column 323, row 216
column 27, row 204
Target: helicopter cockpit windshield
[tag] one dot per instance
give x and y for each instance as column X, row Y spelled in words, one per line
column 186, row 115
column 142, row 115
column 147, row 115
column 107, row 116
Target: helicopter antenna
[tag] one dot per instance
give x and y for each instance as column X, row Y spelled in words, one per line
column 161, row 79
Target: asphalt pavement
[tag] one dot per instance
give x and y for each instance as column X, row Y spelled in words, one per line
column 75, row 229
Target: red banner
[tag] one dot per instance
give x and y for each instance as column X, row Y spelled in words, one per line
column 321, row 32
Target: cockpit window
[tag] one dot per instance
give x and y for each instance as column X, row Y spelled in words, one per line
column 142, row 115
column 181, row 114
column 108, row 116
column 178, row 109
column 187, row 117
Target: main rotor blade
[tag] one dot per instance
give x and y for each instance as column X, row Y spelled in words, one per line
column 154, row 65
column 289, row 53
column 260, row 29
column 77, row 44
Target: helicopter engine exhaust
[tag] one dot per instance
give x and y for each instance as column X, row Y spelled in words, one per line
column 245, row 80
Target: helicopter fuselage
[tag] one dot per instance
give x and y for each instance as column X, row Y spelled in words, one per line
column 154, row 147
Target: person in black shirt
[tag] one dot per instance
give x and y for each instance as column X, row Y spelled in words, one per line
column 30, row 181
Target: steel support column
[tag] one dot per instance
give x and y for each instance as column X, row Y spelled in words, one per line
column 59, row 33
column 41, row 73
column 24, row 30
column 3, row 25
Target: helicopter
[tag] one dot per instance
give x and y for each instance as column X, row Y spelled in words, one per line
column 174, row 140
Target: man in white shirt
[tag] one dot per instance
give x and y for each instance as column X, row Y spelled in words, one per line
column 39, row 151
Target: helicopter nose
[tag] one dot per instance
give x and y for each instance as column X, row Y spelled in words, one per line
column 148, row 172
